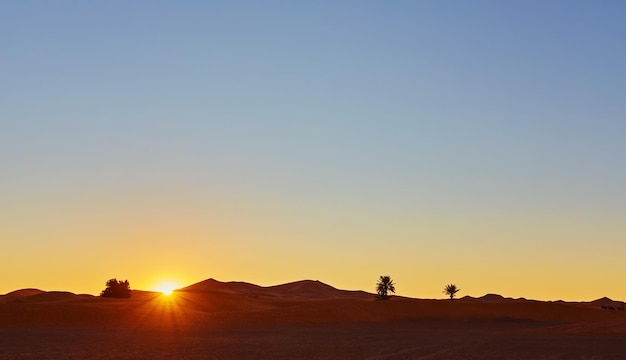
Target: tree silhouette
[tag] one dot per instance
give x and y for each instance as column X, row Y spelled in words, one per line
column 451, row 290
column 384, row 285
column 116, row 289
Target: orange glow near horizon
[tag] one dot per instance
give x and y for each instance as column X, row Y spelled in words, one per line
column 167, row 288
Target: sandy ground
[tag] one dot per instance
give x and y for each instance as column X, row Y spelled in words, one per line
column 406, row 340
column 237, row 321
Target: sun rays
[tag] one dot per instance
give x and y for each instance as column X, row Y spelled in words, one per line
column 167, row 288
column 167, row 314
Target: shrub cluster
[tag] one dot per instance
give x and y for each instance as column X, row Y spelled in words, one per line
column 116, row 289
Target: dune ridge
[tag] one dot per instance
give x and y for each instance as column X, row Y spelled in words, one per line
column 303, row 319
column 296, row 290
column 302, row 290
column 304, row 301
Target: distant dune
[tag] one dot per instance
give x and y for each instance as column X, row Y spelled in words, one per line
column 303, row 315
column 301, row 290
column 18, row 294
column 309, row 301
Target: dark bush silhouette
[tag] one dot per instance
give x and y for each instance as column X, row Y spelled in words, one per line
column 451, row 290
column 117, row 289
column 384, row 285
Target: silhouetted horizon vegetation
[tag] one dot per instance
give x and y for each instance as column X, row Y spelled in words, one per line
column 116, row 289
column 384, row 285
column 451, row 290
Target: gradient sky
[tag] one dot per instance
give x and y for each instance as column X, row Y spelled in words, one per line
column 480, row 143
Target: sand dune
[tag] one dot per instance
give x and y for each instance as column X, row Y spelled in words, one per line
column 301, row 290
column 305, row 319
column 224, row 287
column 313, row 301
column 19, row 294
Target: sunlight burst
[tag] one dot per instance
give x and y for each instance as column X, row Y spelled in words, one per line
column 166, row 289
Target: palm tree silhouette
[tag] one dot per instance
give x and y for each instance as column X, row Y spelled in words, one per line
column 451, row 290
column 384, row 285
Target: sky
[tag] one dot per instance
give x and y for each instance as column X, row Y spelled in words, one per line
column 477, row 143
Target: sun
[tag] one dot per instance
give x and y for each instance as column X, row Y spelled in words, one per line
column 167, row 288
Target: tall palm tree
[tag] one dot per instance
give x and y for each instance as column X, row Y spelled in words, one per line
column 451, row 290
column 384, row 285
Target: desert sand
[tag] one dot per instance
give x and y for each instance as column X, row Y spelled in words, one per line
column 302, row 320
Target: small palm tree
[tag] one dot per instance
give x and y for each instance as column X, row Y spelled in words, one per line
column 451, row 290
column 384, row 285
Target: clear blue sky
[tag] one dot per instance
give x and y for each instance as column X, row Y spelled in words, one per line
column 477, row 142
